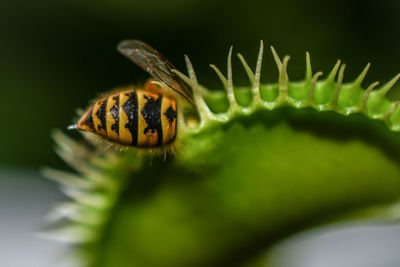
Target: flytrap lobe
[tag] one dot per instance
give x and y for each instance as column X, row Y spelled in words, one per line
column 93, row 190
column 330, row 94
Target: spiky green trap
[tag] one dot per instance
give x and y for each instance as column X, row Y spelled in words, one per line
column 327, row 95
column 278, row 158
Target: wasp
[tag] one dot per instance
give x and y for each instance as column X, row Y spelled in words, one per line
column 145, row 116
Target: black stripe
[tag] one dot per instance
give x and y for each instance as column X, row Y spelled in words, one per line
column 152, row 115
column 172, row 116
column 88, row 121
column 131, row 108
column 101, row 114
column 176, row 129
column 115, row 114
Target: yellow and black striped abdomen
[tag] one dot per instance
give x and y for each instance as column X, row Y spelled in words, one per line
column 134, row 118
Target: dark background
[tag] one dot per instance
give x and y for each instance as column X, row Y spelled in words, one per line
column 58, row 55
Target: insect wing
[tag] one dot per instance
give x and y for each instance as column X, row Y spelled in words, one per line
column 154, row 63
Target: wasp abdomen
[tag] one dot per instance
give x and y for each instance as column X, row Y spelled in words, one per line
column 134, row 117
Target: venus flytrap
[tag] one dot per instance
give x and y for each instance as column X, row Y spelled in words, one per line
column 327, row 95
column 262, row 162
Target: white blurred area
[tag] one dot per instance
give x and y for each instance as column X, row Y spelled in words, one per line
column 25, row 198
column 340, row 245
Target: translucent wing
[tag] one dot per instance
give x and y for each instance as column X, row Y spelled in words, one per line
column 156, row 64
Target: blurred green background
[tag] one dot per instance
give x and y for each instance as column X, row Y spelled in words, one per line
column 58, row 55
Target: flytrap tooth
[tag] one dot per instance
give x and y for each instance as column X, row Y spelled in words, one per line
column 192, row 74
column 313, row 84
column 254, row 78
column 74, row 213
column 283, row 70
column 187, row 80
column 182, row 76
column 338, row 85
column 103, row 181
column 75, row 162
column 87, row 198
column 68, row 144
column 220, row 76
column 308, row 68
column 186, row 94
column 256, row 82
column 246, row 67
column 66, row 179
column 74, row 234
column 341, row 75
column 204, row 111
column 384, row 89
column 332, row 74
column 103, row 162
column 276, row 58
column 366, row 95
column 361, row 77
column 231, row 94
column 283, row 76
column 160, row 84
column 69, row 150
column 395, row 117
column 227, row 83
column 91, row 138
column 391, row 111
column 197, row 88
column 87, row 169
column 61, row 211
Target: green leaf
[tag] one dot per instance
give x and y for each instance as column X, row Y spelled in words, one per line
column 243, row 178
